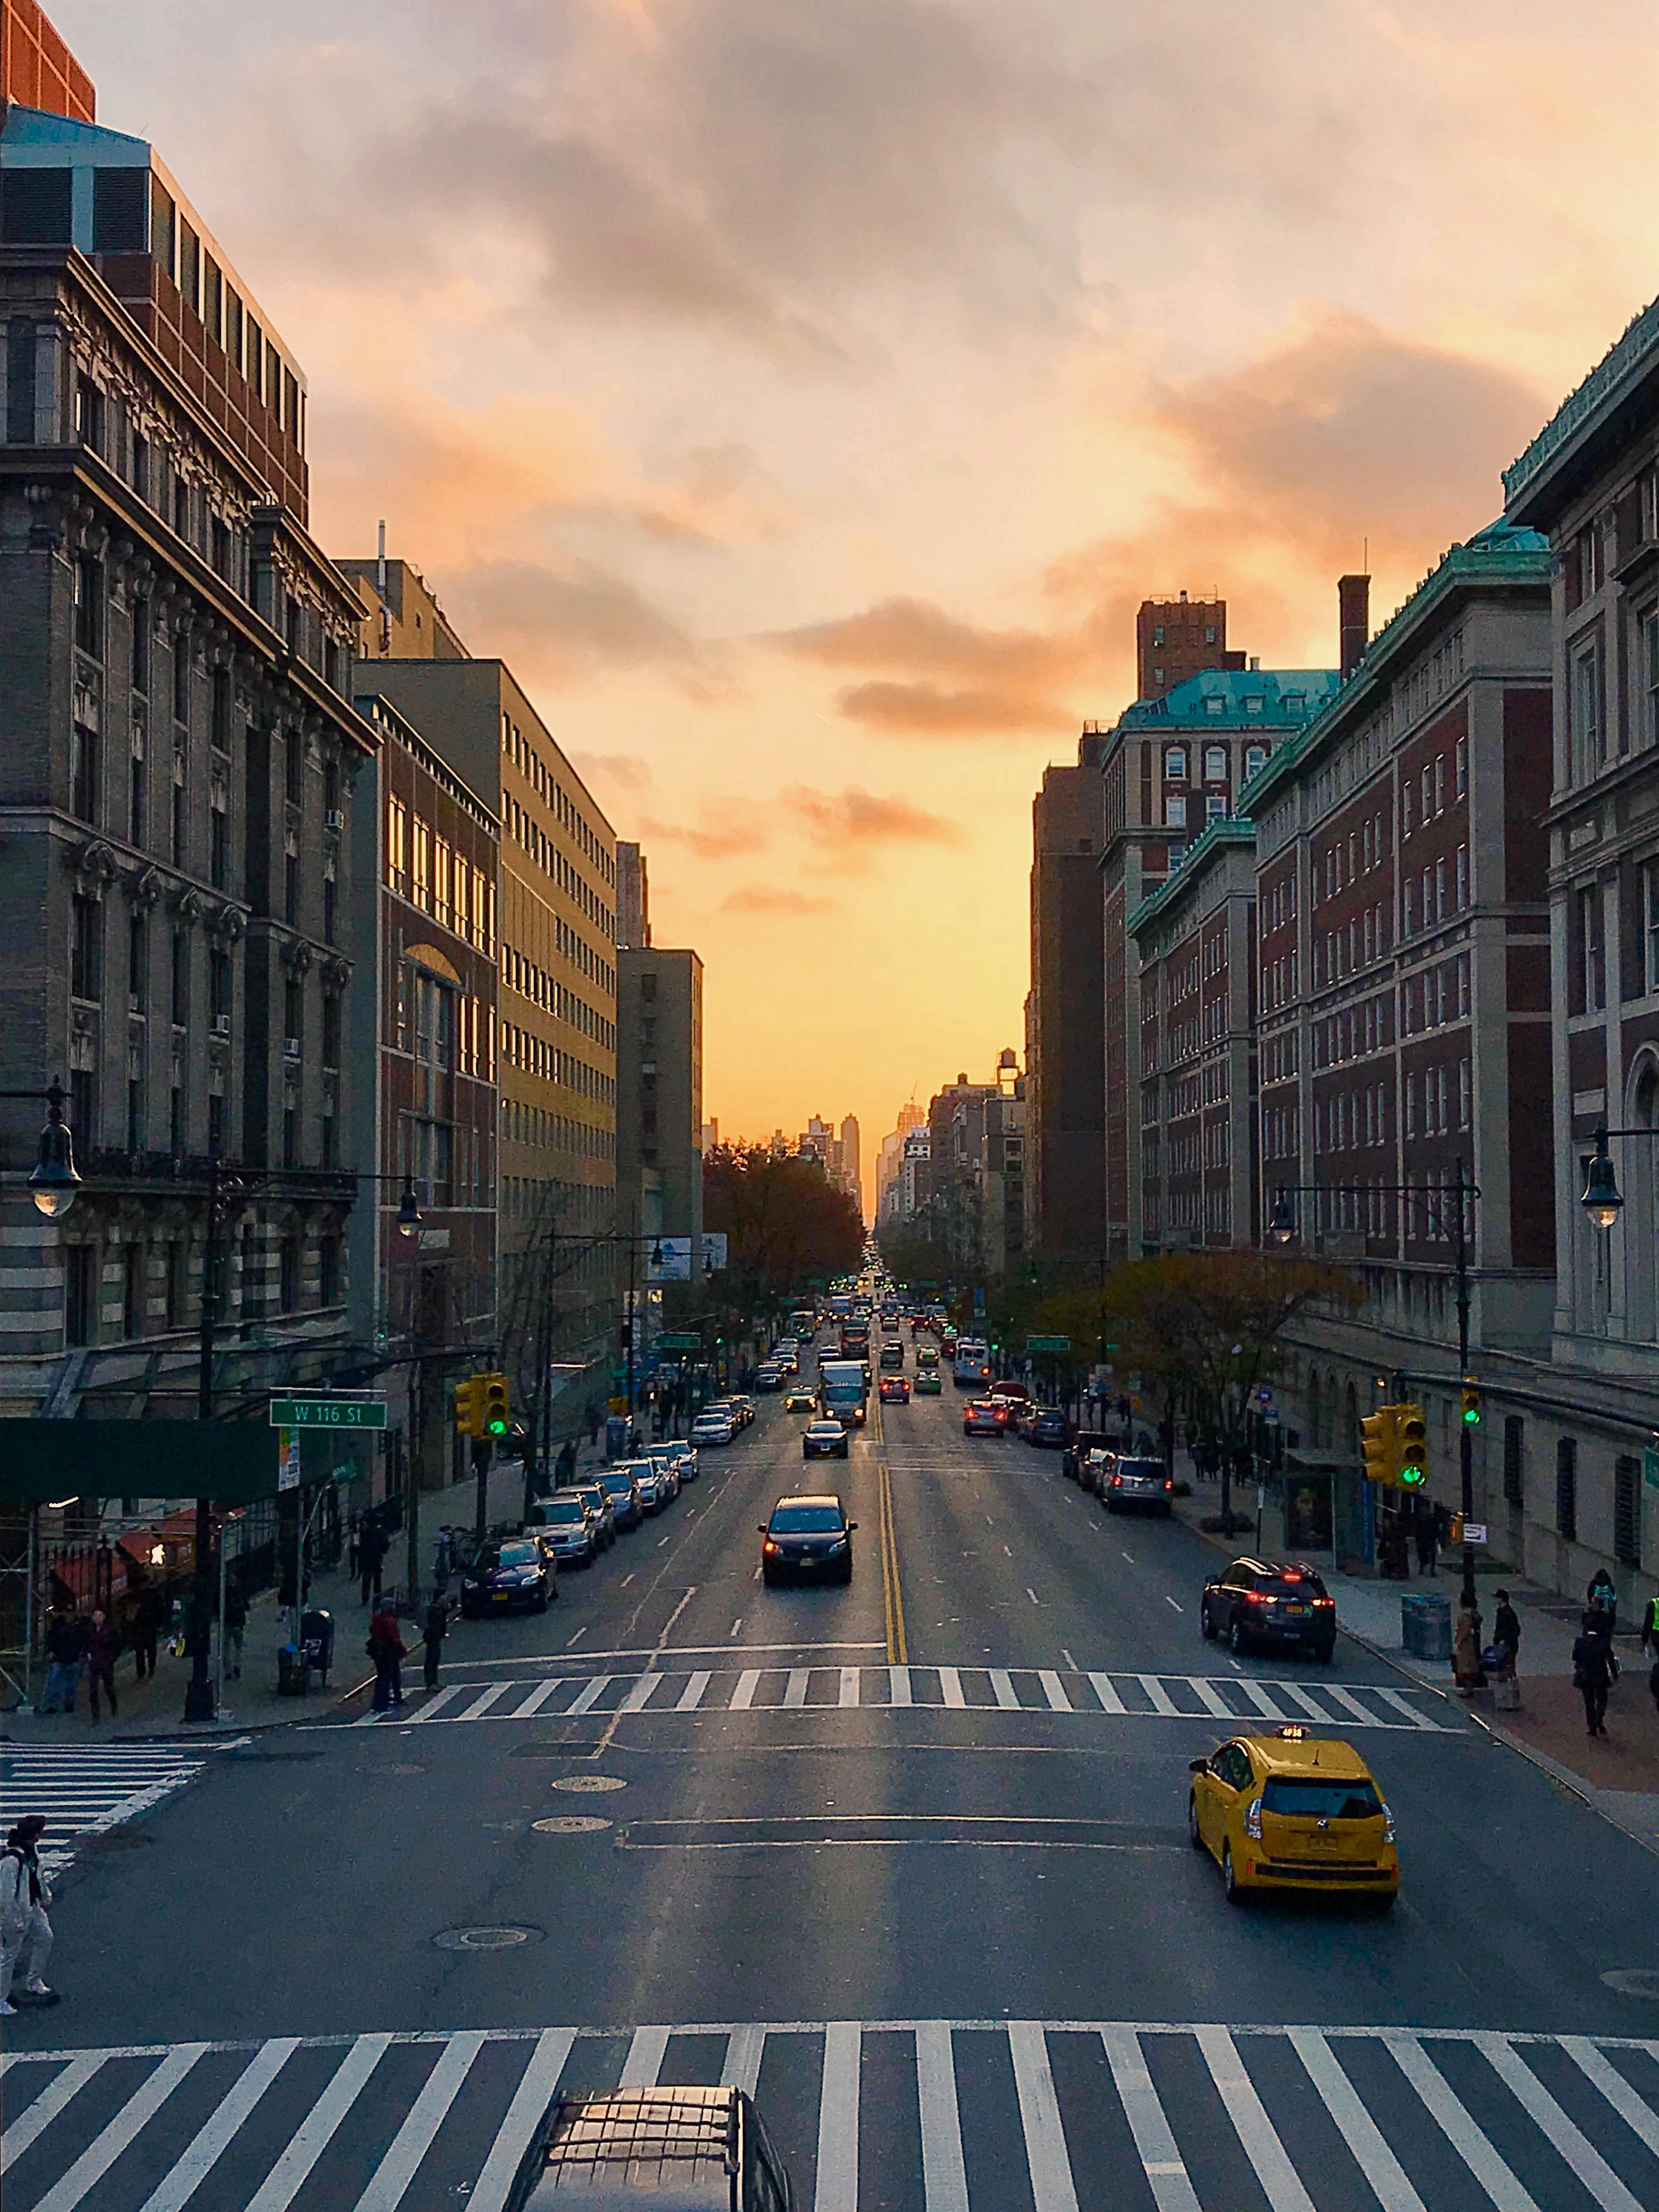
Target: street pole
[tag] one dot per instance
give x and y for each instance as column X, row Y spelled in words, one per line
column 200, row 1704
column 1465, row 1440
column 628, row 1326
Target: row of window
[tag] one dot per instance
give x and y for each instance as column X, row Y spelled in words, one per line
column 533, row 981
column 523, row 1049
column 1216, row 809
column 552, row 794
column 151, row 1294
column 1217, row 766
column 425, row 869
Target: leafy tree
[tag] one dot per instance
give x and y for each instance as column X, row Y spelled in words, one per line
column 786, row 1224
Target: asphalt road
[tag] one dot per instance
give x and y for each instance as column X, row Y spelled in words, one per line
column 952, row 1794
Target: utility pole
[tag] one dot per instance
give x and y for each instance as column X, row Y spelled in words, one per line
column 199, row 1702
column 1465, row 1437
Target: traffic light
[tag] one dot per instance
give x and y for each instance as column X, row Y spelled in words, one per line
column 1413, row 1447
column 1471, row 1404
column 469, row 1406
column 495, row 1411
column 1379, row 1445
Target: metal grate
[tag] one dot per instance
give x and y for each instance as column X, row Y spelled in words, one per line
column 1627, row 1511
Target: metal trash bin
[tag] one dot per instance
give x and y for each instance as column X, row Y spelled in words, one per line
column 290, row 1672
column 317, row 1642
column 1426, row 1625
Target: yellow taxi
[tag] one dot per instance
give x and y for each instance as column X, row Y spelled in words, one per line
column 1293, row 1811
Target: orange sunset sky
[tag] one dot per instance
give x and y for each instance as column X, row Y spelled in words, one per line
column 800, row 394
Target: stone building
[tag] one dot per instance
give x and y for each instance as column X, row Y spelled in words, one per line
column 1064, row 1026
column 178, row 759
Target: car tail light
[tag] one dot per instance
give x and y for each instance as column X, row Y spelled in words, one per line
column 1253, row 1820
column 1387, row 1826
column 1169, row 1482
column 1257, row 1597
column 768, row 1546
column 1117, row 1482
column 1326, row 1604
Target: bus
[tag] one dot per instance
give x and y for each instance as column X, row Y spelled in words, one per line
column 843, row 1392
column 804, row 1324
column 970, row 1363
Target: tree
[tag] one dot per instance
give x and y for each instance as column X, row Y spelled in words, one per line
column 1204, row 1331
column 786, row 1223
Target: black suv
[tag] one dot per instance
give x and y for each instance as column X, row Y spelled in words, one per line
column 1258, row 1604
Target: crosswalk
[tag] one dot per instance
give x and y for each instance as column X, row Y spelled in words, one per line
column 1233, row 1700
column 940, row 2115
column 83, row 1789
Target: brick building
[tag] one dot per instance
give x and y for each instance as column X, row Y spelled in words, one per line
column 1178, row 638
column 1064, row 1028
column 37, row 69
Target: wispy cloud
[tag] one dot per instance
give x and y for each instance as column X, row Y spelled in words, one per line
column 769, row 899
column 854, row 819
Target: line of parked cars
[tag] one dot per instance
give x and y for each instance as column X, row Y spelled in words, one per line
column 1124, row 1481
column 1009, row 1409
column 517, row 1568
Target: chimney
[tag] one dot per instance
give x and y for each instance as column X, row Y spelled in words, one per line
column 1353, row 600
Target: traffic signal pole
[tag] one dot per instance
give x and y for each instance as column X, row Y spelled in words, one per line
column 1465, row 1428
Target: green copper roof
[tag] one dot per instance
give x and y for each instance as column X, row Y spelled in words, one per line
column 1286, row 698
column 1629, row 354
column 1231, row 830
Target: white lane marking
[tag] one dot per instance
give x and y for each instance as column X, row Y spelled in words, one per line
column 1179, row 1608
column 796, row 1692
column 1070, row 1662
column 639, row 1696
column 1154, row 2138
column 850, row 1679
column 1393, row 1697
column 1388, row 2181
column 437, row 1704
column 1002, row 1684
column 944, row 2175
column 101, row 2153
column 692, row 1695
column 1456, row 2125
column 838, row 2119
column 644, row 2061
column 287, row 2177
column 1574, row 2146
column 523, row 2116
column 1103, row 1688
column 218, row 2131
column 1162, row 1702
column 1259, row 1698
column 1125, row 1555
column 744, row 2048
column 1211, row 1698
column 627, row 1578
column 743, row 1696
column 1348, row 1702
column 1249, row 2115
column 1054, row 1690
column 396, row 2170
column 480, row 1704
column 950, row 1683
column 736, row 1625
column 1052, row 2188
column 533, row 1704
column 577, row 1638
column 661, row 1540
column 899, row 1685
column 1614, row 2086
column 1032, row 1594
column 1008, row 1549
column 590, row 1696
column 1304, row 1700
column 46, row 2107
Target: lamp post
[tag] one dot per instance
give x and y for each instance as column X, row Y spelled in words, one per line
column 1282, row 1228
column 53, row 1183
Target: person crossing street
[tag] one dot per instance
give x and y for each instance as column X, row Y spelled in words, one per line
column 1592, row 1673
column 25, row 1930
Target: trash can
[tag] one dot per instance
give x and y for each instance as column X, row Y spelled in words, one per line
column 1426, row 1626
column 317, row 1642
column 290, row 1672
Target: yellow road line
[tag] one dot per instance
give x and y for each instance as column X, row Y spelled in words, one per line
column 898, row 1653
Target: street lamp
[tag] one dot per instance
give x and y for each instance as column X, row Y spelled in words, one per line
column 53, row 1182
column 1601, row 1197
column 409, row 1212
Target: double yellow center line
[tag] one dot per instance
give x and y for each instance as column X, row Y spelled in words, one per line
column 898, row 1653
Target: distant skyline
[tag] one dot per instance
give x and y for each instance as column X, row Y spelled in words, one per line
column 802, row 399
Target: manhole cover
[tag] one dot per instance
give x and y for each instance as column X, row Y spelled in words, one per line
column 570, row 1823
column 1634, row 1981
column 485, row 1939
column 589, row 1785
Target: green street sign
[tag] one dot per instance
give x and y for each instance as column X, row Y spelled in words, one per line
column 1047, row 1344
column 328, row 1413
column 685, row 1342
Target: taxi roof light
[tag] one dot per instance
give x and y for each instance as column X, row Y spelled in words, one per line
column 1293, row 1733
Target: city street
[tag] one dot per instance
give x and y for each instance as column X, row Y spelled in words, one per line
column 909, row 1858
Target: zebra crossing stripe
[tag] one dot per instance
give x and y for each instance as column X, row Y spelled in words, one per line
column 1002, row 1685
column 1256, row 2132
column 1258, row 1697
column 943, row 2174
column 1387, row 2180
column 838, row 2119
column 1458, row 2127
column 537, row 1697
column 523, row 2116
column 639, row 1696
column 217, row 2133
column 293, row 2167
column 644, row 2061
column 1054, row 1690
column 1162, row 1702
column 743, row 1696
column 1149, row 2127
column 1213, row 1701
column 590, row 1696
column 392, row 2176
column 795, row 1694
column 1614, row 2086
column 43, row 2109
column 692, row 1695
column 950, row 1683
column 899, row 1685
column 1345, row 1699
column 1046, row 2156
column 436, row 1706
column 1393, row 1697
column 1105, row 1690
column 96, row 2160
column 1580, row 2154
column 745, row 2048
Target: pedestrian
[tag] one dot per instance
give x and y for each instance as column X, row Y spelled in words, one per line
column 591, row 1416
column 1602, row 1599
column 1425, row 1532
column 1466, row 1649
column 1650, row 1628
column 102, row 1645
column 149, row 1617
column 235, row 1628
column 1591, row 1676
column 25, row 1930
column 371, row 1556
column 66, row 1651
column 437, row 1627
column 1506, row 1632
column 565, row 1466
column 388, row 1651
column 351, row 1547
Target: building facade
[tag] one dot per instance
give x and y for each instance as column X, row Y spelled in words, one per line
column 37, row 69
column 1178, row 638
column 1065, row 1013
column 973, row 1160
column 659, row 1098
column 179, row 755
column 1194, row 940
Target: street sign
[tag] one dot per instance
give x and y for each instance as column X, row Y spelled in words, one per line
column 1264, row 1396
column 328, row 1413
column 689, row 1342
column 1474, row 1532
column 1047, row 1344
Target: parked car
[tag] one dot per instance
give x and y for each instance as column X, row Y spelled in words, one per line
column 1046, row 1427
column 1146, row 1485
column 685, row 1452
column 702, row 2150
column 744, row 1406
column 620, row 1487
column 569, row 1527
column 651, row 1483
column 712, row 1427
column 1259, row 1604
column 510, row 1574
column 807, row 1535
column 824, row 1438
column 599, row 1498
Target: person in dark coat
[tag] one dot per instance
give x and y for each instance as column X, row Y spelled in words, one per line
column 150, row 1618
column 594, row 1419
column 1591, row 1676
column 388, row 1651
column 371, row 1557
column 437, row 1628
column 565, row 1466
column 66, row 1654
column 102, row 1645
column 235, row 1629
column 1506, row 1632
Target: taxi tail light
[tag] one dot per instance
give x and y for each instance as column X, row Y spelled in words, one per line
column 768, row 1546
column 1253, row 1820
column 1387, row 1826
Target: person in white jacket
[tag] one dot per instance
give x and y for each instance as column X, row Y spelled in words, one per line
column 25, row 1930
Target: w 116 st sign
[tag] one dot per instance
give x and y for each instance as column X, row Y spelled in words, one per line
column 328, row 1413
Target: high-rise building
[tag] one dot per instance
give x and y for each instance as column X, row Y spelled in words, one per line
column 1178, row 638
column 1065, row 1013
column 37, row 69
column 633, row 896
column 659, row 1093
column 401, row 619
column 849, row 1165
column 975, row 1162
column 177, row 812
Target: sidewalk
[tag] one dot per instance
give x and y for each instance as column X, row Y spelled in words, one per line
column 1618, row 1776
column 153, row 1710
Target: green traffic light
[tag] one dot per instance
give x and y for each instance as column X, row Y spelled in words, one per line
column 1412, row 1478
column 498, row 1428
column 1471, row 1417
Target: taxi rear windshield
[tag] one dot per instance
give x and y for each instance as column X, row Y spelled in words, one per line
column 1300, row 1797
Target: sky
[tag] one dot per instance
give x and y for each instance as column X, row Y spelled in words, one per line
column 802, row 394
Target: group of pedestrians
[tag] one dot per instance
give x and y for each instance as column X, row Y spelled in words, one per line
column 386, row 1645
column 82, row 1645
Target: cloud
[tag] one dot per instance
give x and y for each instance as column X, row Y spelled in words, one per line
column 856, row 818
column 763, row 898
column 925, row 710
column 737, row 831
column 1009, row 680
column 572, row 620
column 626, row 770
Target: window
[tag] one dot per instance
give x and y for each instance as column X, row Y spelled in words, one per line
column 132, row 1291
column 328, row 1270
column 290, row 1144
column 1410, row 905
column 181, row 679
column 86, row 948
column 1215, row 763
column 1515, row 1436
column 1462, row 886
column 291, row 886
column 218, row 842
column 294, row 1010
column 1255, row 759
column 176, row 1121
column 1462, row 766
column 138, row 794
column 1591, row 949
column 84, row 757
column 88, row 413
column 1158, row 633
column 1175, row 763
column 1566, row 1488
column 1462, row 1094
column 288, row 1275
column 292, row 768
column 396, row 846
column 330, row 908
column 1174, row 811
column 89, row 605
column 83, row 1106
column 221, row 707
column 1439, row 781
column 79, row 1293
column 140, row 668
column 1627, row 1509
column 331, row 1029
column 137, row 963
column 180, row 977
column 219, row 985
column 1427, row 792
column 174, row 1281
column 1209, row 634
column 1215, row 808
column 1584, row 707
